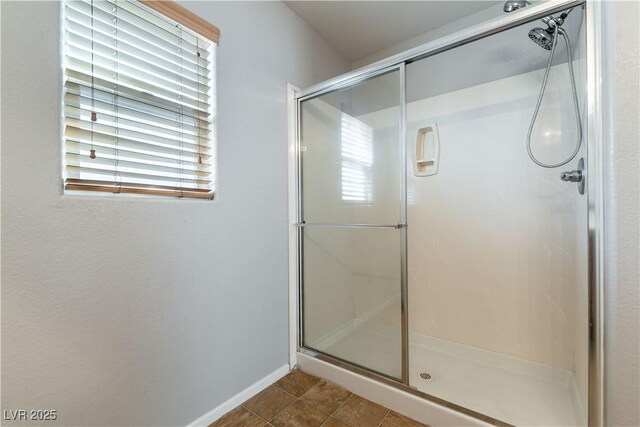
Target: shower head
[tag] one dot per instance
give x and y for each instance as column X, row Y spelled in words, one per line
column 542, row 38
column 511, row 5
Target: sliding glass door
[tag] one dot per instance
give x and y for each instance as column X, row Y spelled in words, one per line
column 497, row 244
column 351, row 229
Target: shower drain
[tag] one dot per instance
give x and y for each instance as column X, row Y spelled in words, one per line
column 425, row 376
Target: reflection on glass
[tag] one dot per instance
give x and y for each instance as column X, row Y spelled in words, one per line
column 351, row 275
column 350, row 159
column 357, row 160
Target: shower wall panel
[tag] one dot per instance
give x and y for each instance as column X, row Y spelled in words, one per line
column 493, row 252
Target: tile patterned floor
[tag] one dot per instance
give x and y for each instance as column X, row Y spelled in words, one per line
column 302, row 400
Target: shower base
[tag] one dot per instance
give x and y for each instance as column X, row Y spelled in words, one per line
column 507, row 388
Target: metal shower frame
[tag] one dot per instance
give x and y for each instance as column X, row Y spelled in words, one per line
column 594, row 153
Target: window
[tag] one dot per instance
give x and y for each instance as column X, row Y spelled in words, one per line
column 139, row 99
column 357, row 160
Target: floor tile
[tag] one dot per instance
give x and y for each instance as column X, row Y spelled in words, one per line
column 269, row 402
column 239, row 417
column 334, row 422
column 300, row 414
column 393, row 419
column 360, row 412
column 297, row 382
column 326, row 396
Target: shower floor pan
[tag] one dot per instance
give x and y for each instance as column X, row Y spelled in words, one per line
column 507, row 388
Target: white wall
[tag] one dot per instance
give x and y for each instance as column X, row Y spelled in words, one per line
column 148, row 312
column 622, row 218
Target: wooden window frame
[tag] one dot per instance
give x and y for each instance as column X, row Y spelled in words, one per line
column 184, row 16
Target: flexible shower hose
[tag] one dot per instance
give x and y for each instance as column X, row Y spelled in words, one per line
column 557, row 30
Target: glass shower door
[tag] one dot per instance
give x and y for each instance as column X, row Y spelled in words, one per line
column 497, row 244
column 351, row 209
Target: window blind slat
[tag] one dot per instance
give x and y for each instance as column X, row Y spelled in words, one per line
column 82, row 135
column 151, row 130
column 77, row 169
column 105, row 12
column 106, row 162
column 125, row 77
column 136, row 93
column 104, row 181
column 77, row 147
column 138, row 102
column 110, row 132
column 75, row 181
column 173, row 12
column 157, row 190
column 81, row 24
column 144, row 17
column 171, row 73
column 114, row 130
column 75, row 108
column 192, row 71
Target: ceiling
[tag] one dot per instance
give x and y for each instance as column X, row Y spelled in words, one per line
column 499, row 56
column 360, row 28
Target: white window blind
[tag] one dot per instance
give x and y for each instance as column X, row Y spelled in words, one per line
column 139, row 91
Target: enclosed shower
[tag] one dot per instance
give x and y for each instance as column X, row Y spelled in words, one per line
column 442, row 239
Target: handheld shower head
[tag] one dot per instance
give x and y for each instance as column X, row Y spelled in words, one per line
column 548, row 39
column 541, row 37
column 544, row 37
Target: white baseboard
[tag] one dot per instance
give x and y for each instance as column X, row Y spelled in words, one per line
column 241, row 397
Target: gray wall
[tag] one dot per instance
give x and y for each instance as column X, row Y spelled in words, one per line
column 148, row 312
column 622, row 206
